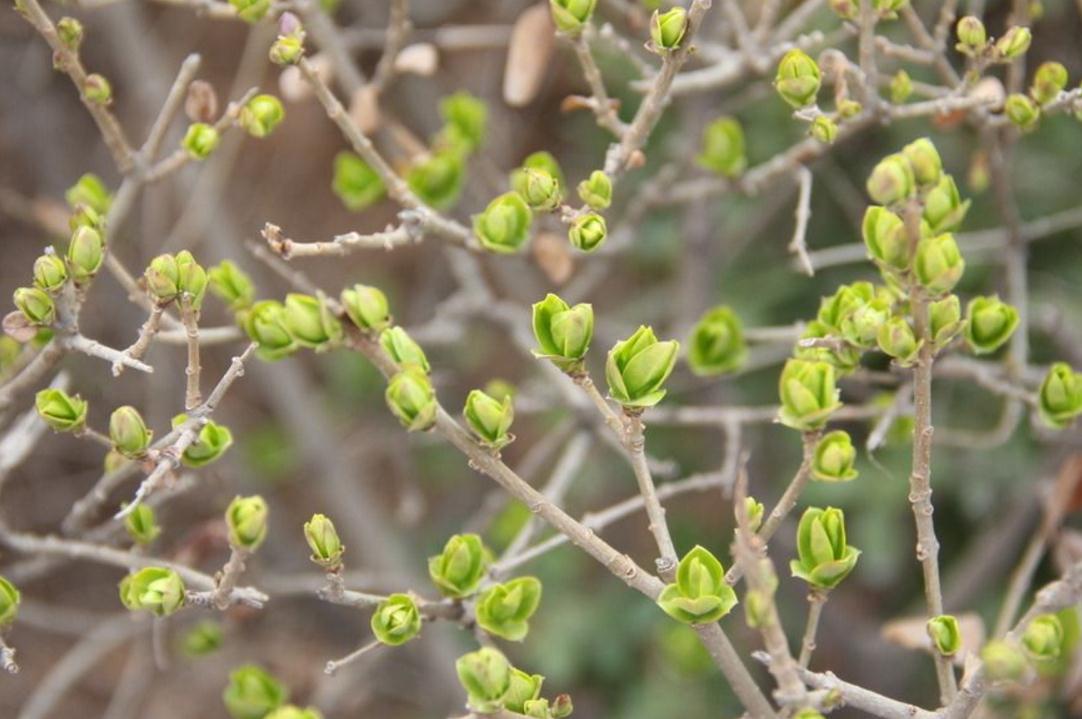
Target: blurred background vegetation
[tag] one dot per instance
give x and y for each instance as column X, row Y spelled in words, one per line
column 314, row 434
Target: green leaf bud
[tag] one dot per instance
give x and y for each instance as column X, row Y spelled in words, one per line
column 1003, row 661
column 157, row 590
column 716, row 344
column 465, row 120
column 861, row 326
column 924, row 159
column 246, row 520
column 525, row 688
column 989, row 323
column 889, row 8
column 667, row 29
column 504, row 226
column 396, row 620
column 96, row 89
column 486, row 677
column 129, row 432
column 1043, row 637
column 438, row 178
column 596, row 190
column 141, row 525
column 211, row 443
column 835, row 309
column 897, row 339
column 322, row 538
column 754, row 511
column 367, row 307
column 823, row 129
column 540, row 160
column 355, row 182
column 489, row 418
column 70, row 32
column 291, row 712
column 808, row 394
column 232, row 285
column 587, row 232
column 50, row 273
column 723, row 149
column 938, row 263
column 571, row 15
column 86, row 252
column 310, row 321
column 9, row 602
column 636, row 368
column 252, row 693
column 163, row 278
column 202, row 639
column 841, row 355
column 61, row 411
column 458, row 570
column 288, row 49
column 1022, row 111
column 265, row 325
column 700, row 594
column 824, row 558
column 191, row 279
column 808, row 713
column 1015, row 42
column 1059, row 399
column 892, row 180
column 91, row 192
column 798, row 79
column 945, row 634
column 200, row 140
column 411, row 398
column 539, row 188
column 901, row 87
column 944, row 209
column 834, row 458
column 261, row 115
column 972, row 36
column 945, row 320
column 885, row 237
column 504, row 609
column 36, row 305
column 563, row 333
column 251, row 11
column 1048, row 82
column 848, row 108
column 401, row 348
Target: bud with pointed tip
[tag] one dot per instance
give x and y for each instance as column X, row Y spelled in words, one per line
column 667, row 29
column 465, row 120
column 944, row 320
column 897, row 339
column 1043, row 637
column 901, row 87
column 367, row 307
column 808, row 394
column 504, row 610
column 355, row 182
column 971, row 35
column 251, row 11
column 141, row 525
column 716, row 344
column 540, row 160
column 489, row 418
column 486, row 676
column 823, row 129
column 86, row 252
column 265, row 325
column 1003, row 661
column 36, row 305
column 824, row 556
column 401, row 348
column 323, row 540
column 885, row 237
column 539, row 188
column 1022, row 112
column 211, row 443
column 1059, row 399
column 438, row 178
column 989, row 323
column 61, row 411
column 596, row 190
column 157, row 590
column 411, row 398
column 310, row 321
column 91, row 192
column 290, row 711
column 924, row 159
column 571, row 15
column 232, row 285
column 129, row 432
column 723, row 147
column 798, row 78
column 700, row 594
column 200, row 140
column 938, row 263
column 191, row 279
column 892, row 180
column 396, row 620
column 288, row 49
column 252, row 693
column 457, row 571
column 563, row 333
column 861, row 326
column 834, row 458
column 753, row 511
column 97, row 90
column 246, row 519
column 945, row 634
column 587, row 232
column 261, row 115
column 636, row 368
column 525, row 689
column 50, row 273
column 9, row 602
column 162, row 278
column 944, row 208
column 70, row 32
column 1048, row 82
column 504, row 225
column 1014, row 43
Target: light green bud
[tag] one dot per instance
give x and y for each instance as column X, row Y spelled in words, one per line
column 86, row 252
column 540, row 160
column 246, row 519
column 9, row 602
column 367, row 307
column 897, row 339
column 716, row 344
column 396, row 620
column 924, row 159
column 700, row 594
column 191, row 279
column 1022, row 112
column 901, row 87
column 200, row 140
column 211, row 443
column 1048, row 82
column 310, row 321
column 563, row 333
column 322, row 538
column 972, row 36
column 465, row 120
column 411, row 398
column 571, row 15
column 823, row 129
column 504, row 610
column 889, row 8
column 798, row 79
column 944, row 209
column 232, row 285
column 723, row 149
column 251, row 11
column 36, row 305
column 252, row 693
column 945, row 634
column 1060, row 396
column 808, row 394
column 834, row 458
column 486, row 677
column 202, row 639
column 754, row 511
column 96, row 89
column 89, row 191
column 1043, row 637
column 1015, row 42
column 892, row 180
column 355, row 182
column 458, row 570
column 989, row 323
column 824, row 556
column 141, row 525
column 287, row 49
column 61, row 411
column 157, row 590
column 540, row 189
column 525, row 688
column 50, row 273
column 291, row 712
column 938, row 263
column 667, row 29
column 504, row 226
column 265, row 324
column 587, row 232
column 261, row 115
column 1003, row 661
column 885, row 237
column 438, row 178
column 163, row 278
column 596, row 190
column 636, row 368
column 401, row 348
column 489, row 418
column 129, row 432
column 945, row 320
column 70, row 32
